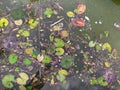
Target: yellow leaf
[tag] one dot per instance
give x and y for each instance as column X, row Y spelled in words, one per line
column 70, row 14
column 40, row 57
column 29, row 51
column 107, row 64
column 22, row 88
column 62, row 71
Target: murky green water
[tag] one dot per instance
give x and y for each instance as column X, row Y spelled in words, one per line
column 108, row 13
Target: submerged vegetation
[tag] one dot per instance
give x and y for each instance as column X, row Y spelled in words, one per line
column 42, row 45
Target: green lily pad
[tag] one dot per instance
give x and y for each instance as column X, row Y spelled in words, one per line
column 59, row 42
column 107, row 46
column 48, row 11
column 59, row 51
column 93, row 81
column 26, row 33
column 46, row 59
column 26, row 61
column 7, row 81
column 92, row 44
column 3, row 22
column 33, row 23
column 97, row 47
column 12, row 58
column 17, row 13
column 67, row 62
column 22, row 79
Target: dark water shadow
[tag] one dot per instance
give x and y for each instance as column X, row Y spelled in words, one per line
column 117, row 2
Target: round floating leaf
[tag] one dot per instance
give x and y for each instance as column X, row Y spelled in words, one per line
column 93, row 81
column 33, row 23
column 17, row 13
column 29, row 51
column 7, row 81
column 3, row 22
column 98, row 47
column 18, row 22
column 59, row 42
column 107, row 64
column 62, row 71
column 48, row 11
column 67, row 62
column 92, row 44
column 22, row 79
column 12, row 58
column 46, row 59
column 64, row 34
column 22, row 87
column 26, row 33
column 27, row 61
column 70, row 14
column 107, row 46
column 59, row 51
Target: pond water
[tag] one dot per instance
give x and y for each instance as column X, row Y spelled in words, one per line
column 101, row 15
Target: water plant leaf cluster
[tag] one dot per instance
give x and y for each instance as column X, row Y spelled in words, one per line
column 54, row 45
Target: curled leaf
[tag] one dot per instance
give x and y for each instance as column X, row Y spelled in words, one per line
column 7, row 81
column 62, row 71
column 70, row 14
column 59, row 42
column 3, row 22
column 91, row 44
column 22, row 79
column 59, row 51
column 107, row 46
column 46, row 59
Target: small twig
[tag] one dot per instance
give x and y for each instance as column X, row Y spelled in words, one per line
column 56, row 22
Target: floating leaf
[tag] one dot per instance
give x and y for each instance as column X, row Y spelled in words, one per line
column 26, row 44
column 18, row 22
column 51, row 38
column 81, row 8
column 67, row 62
column 22, row 79
column 26, row 33
column 59, row 42
column 12, row 58
column 33, row 23
column 27, row 61
column 47, row 59
column 17, row 13
column 64, row 34
column 29, row 51
column 16, row 69
column 62, row 71
column 92, row 44
column 48, row 11
column 22, row 88
column 98, row 47
column 107, row 64
column 7, row 81
column 35, row 54
column 93, row 81
column 70, row 14
column 59, row 51
column 75, row 10
column 85, row 56
column 107, row 46
column 61, row 78
column 40, row 57
column 3, row 22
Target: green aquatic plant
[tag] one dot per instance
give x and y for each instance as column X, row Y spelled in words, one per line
column 59, row 42
column 59, row 51
column 24, row 33
column 46, row 59
column 12, row 58
column 7, row 81
column 17, row 13
column 3, row 22
column 33, row 23
column 92, row 44
column 22, row 79
column 48, row 12
column 27, row 61
column 67, row 62
column 107, row 46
